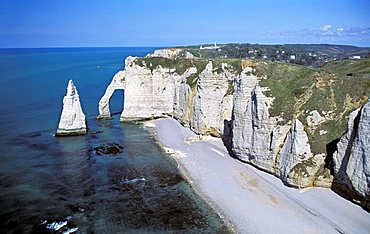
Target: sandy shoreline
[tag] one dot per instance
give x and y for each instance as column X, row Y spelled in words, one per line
column 251, row 200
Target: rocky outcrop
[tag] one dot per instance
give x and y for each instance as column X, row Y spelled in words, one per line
column 148, row 93
column 351, row 161
column 226, row 99
column 72, row 120
column 295, row 151
column 253, row 129
column 260, row 140
column 118, row 82
column 359, row 165
column 215, row 101
column 212, row 104
column 158, row 91
column 315, row 119
column 171, row 53
column 182, row 106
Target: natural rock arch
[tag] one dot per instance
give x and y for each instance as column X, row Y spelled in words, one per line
column 118, row 82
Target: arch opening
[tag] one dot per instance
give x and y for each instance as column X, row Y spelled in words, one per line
column 116, row 102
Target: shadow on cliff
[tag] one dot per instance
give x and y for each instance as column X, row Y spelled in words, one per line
column 227, row 137
column 341, row 183
column 116, row 102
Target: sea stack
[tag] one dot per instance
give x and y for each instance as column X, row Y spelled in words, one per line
column 72, row 120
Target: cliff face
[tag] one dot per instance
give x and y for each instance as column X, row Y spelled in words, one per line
column 253, row 138
column 267, row 143
column 148, row 93
column 265, row 110
column 352, row 158
column 157, row 91
column 211, row 102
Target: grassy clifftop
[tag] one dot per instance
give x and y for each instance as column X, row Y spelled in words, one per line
column 180, row 65
column 313, row 55
column 334, row 90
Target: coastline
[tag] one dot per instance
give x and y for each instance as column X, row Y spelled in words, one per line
column 150, row 126
column 249, row 200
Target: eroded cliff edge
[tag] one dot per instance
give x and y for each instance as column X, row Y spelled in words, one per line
column 285, row 119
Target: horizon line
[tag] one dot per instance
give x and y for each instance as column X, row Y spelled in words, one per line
column 175, row 46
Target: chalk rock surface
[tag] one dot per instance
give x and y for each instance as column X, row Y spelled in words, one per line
column 296, row 149
column 72, row 120
column 352, row 158
column 252, row 126
column 171, row 53
column 211, row 105
column 118, row 82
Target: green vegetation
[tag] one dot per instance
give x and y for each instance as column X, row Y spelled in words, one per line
column 192, row 80
column 341, row 93
column 301, row 169
column 234, row 65
column 288, row 84
column 181, row 65
column 307, row 55
column 230, row 88
column 339, row 88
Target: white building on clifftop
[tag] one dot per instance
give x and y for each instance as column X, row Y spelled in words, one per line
column 209, row 47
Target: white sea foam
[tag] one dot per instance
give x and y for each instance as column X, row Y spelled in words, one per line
column 56, row 225
column 70, row 230
column 132, row 181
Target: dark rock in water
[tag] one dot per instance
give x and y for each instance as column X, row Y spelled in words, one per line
column 55, row 226
column 165, row 177
column 95, row 132
column 76, row 208
column 108, row 149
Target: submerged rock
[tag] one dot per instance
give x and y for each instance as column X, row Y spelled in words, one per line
column 108, row 149
column 72, row 120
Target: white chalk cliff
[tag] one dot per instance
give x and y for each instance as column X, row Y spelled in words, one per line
column 72, row 120
column 352, row 158
column 211, row 104
column 255, row 135
column 117, row 83
column 171, row 53
column 223, row 100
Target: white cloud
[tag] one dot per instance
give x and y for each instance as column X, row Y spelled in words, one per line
column 339, row 30
column 327, row 31
column 326, row 28
column 324, row 34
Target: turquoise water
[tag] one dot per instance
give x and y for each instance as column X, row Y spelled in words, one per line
column 47, row 181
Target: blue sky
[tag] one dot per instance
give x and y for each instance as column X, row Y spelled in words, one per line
column 64, row 23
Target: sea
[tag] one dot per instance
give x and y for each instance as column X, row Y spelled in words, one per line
column 54, row 184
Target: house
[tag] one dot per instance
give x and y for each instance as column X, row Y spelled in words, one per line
column 355, row 57
column 209, row 47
